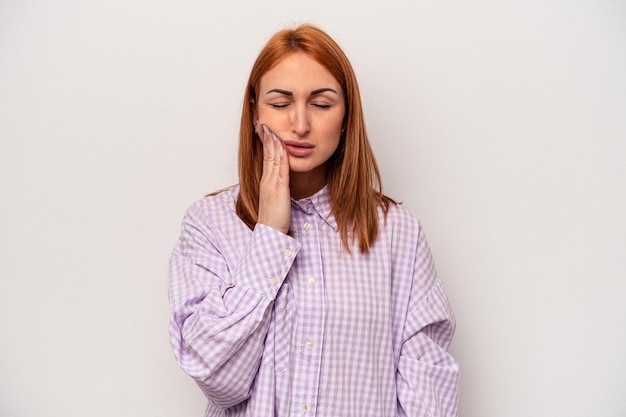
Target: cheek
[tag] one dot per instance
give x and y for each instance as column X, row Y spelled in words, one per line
column 335, row 125
column 274, row 119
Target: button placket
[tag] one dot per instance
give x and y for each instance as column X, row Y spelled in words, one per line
column 307, row 355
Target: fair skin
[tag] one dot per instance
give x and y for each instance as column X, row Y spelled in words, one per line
column 299, row 117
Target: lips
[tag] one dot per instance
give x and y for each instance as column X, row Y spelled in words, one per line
column 298, row 148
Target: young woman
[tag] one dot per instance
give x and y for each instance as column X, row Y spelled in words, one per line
column 304, row 290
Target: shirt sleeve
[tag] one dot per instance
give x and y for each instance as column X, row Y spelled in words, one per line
column 427, row 376
column 221, row 304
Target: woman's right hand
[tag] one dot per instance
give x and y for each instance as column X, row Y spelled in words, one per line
column 274, row 193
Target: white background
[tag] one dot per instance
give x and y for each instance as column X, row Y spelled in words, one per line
column 501, row 125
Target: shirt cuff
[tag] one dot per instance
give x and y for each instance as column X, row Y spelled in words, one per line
column 267, row 260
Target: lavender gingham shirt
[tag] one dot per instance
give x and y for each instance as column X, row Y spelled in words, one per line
column 270, row 324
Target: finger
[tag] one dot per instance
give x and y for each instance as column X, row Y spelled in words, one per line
column 283, row 161
column 279, row 150
column 268, row 150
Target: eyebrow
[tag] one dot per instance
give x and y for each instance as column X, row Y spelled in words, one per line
column 313, row 93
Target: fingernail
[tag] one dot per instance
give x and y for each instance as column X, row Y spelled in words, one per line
column 266, row 131
column 281, row 151
column 274, row 136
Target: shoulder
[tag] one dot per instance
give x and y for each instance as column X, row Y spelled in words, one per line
column 214, row 208
column 400, row 218
column 222, row 199
column 403, row 232
column 399, row 232
column 410, row 251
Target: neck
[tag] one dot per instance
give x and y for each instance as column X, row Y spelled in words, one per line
column 305, row 184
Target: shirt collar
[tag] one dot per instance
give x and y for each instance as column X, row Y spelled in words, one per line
column 317, row 203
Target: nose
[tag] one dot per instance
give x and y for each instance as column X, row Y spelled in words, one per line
column 300, row 122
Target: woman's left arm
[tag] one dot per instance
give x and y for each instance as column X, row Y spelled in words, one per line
column 427, row 375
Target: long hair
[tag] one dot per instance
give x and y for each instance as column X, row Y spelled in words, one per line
column 353, row 177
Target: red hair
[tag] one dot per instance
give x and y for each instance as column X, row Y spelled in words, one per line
column 353, row 177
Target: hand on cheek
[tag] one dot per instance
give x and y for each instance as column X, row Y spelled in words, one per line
column 274, row 193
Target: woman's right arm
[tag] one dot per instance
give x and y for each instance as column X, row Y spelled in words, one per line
column 221, row 304
column 221, row 307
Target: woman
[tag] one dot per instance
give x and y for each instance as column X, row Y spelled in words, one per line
column 305, row 290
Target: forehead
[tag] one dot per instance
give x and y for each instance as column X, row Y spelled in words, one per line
column 298, row 69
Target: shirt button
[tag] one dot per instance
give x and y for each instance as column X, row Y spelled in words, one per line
column 309, row 343
column 274, row 280
column 304, row 408
column 312, row 280
column 287, row 252
column 306, row 226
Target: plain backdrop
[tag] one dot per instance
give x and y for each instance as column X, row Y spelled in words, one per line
column 500, row 125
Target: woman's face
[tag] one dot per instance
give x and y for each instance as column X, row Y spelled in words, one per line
column 303, row 104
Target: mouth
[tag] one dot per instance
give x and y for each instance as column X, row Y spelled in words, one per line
column 298, row 148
